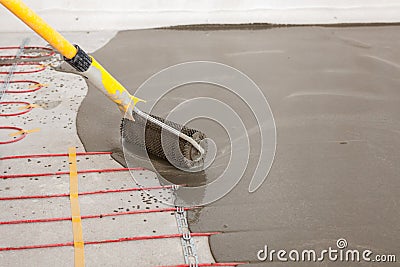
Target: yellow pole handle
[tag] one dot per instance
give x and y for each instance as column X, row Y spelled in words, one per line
column 95, row 73
column 36, row 23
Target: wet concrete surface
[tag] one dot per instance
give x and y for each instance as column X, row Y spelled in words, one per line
column 334, row 93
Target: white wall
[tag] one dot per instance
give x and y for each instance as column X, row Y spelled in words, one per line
column 73, row 15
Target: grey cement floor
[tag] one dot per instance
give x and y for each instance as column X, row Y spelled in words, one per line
column 334, row 93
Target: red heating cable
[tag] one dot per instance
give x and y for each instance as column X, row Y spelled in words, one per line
column 37, row 84
column 51, row 52
column 41, row 67
column 18, row 113
column 27, row 175
column 22, row 136
column 123, row 239
column 87, row 193
column 53, row 155
column 58, row 219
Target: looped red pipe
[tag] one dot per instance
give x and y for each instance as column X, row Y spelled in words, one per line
column 26, row 48
column 36, row 88
column 12, row 103
column 22, row 136
column 42, row 68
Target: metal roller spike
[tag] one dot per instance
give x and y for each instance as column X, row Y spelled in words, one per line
column 185, row 147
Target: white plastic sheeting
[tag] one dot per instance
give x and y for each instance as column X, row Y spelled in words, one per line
column 93, row 15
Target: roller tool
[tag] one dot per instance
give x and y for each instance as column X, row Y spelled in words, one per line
column 162, row 138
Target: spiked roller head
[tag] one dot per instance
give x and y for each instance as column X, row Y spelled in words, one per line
column 162, row 143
